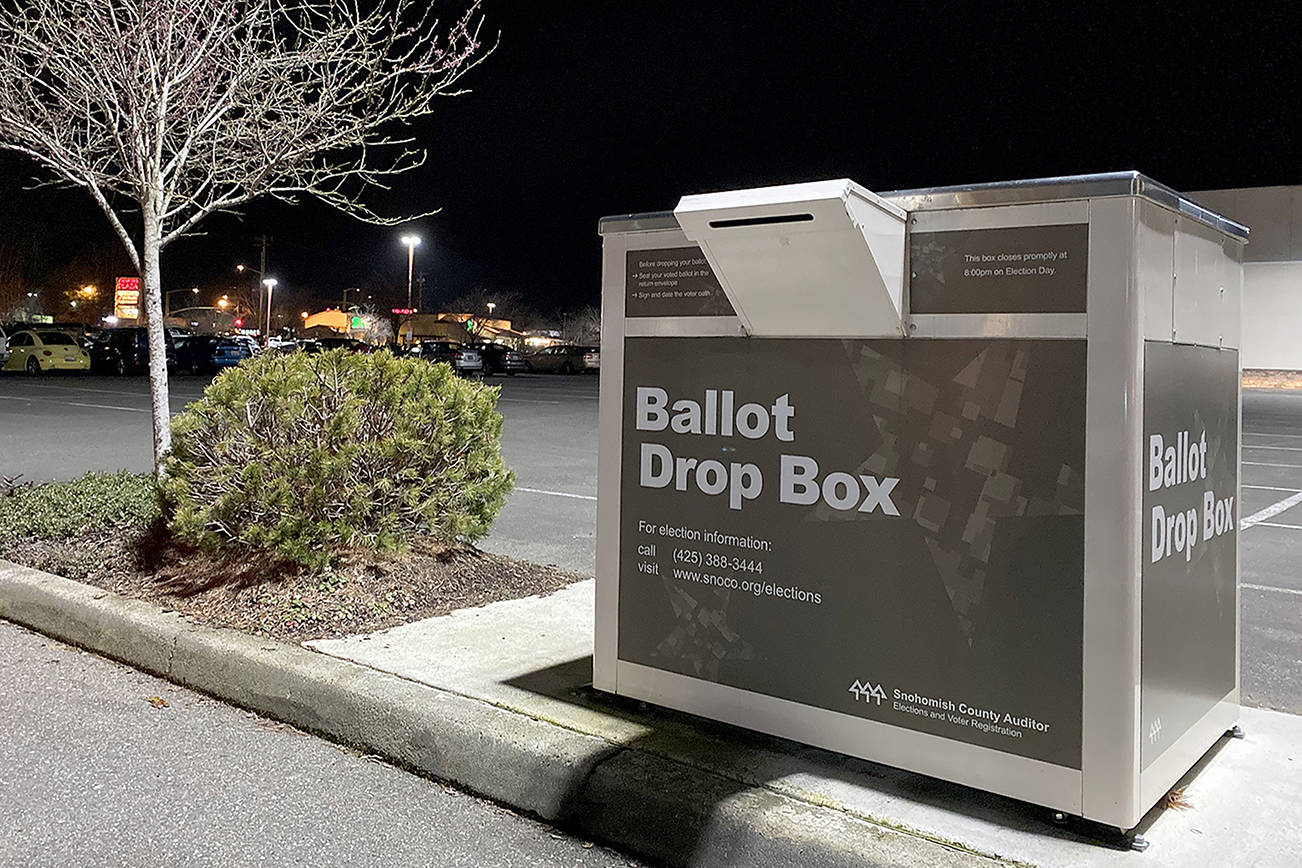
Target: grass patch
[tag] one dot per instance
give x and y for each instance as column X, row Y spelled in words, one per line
column 94, row 503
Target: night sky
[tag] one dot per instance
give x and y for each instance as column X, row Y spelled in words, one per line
column 594, row 108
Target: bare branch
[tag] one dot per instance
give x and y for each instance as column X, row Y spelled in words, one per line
column 198, row 106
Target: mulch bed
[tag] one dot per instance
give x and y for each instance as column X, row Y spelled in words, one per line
column 1264, row 379
column 362, row 594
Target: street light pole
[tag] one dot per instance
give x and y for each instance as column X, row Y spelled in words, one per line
column 270, row 284
column 411, row 241
column 167, row 298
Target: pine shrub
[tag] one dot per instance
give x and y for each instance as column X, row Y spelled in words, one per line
column 304, row 456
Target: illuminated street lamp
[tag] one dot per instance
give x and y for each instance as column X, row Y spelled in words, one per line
column 223, row 303
column 412, row 242
column 491, row 305
column 270, row 284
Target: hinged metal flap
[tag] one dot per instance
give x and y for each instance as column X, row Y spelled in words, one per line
column 821, row 259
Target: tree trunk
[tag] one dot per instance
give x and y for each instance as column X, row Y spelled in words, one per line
column 152, row 299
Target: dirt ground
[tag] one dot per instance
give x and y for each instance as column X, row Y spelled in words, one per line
column 280, row 601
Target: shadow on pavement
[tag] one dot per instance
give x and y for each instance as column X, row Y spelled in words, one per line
column 718, row 761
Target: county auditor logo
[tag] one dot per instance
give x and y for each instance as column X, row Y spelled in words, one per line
column 866, row 690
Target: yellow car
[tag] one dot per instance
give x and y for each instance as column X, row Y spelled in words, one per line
column 37, row 350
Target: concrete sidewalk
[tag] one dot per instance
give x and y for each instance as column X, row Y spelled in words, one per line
column 498, row 700
column 533, row 656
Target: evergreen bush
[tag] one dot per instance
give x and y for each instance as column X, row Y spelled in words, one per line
column 303, row 456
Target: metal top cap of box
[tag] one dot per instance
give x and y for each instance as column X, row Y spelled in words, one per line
column 999, row 193
column 1057, row 189
column 819, row 259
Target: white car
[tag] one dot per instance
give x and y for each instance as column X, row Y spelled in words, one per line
column 4, row 347
column 253, row 345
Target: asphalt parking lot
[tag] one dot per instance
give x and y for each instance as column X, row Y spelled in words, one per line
column 60, row 427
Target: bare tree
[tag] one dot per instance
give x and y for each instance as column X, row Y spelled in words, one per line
column 582, row 326
column 166, row 111
column 507, row 305
column 13, row 284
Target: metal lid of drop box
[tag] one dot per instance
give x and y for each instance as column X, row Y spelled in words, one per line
column 1030, row 191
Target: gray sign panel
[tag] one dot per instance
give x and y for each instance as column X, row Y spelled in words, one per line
column 881, row 528
column 1191, row 516
column 1024, row 269
column 673, row 281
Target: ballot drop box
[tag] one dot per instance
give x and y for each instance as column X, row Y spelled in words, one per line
column 945, row 479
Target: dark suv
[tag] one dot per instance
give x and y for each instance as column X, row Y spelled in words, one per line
column 500, row 359
column 125, row 351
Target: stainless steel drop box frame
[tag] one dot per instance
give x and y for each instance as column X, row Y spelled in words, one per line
column 945, row 479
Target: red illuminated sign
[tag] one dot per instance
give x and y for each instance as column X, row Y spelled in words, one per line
column 404, row 311
column 126, row 298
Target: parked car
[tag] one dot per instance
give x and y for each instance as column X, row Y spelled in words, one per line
column 500, row 359
column 592, row 360
column 125, row 350
column 229, row 352
column 4, row 347
column 351, row 344
column 250, row 343
column 558, row 359
column 206, row 353
column 194, row 353
column 463, row 359
column 38, row 350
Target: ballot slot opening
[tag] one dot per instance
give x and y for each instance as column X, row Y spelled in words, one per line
column 761, row 221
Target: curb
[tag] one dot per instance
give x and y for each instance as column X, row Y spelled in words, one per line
column 645, row 803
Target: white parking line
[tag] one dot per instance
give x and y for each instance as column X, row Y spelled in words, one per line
column 172, row 390
column 62, row 388
column 1293, row 591
column 1267, row 464
column 31, row 398
column 104, row 407
column 1271, row 511
column 555, row 493
column 1269, row 488
column 1280, row 448
column 1278, row 524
